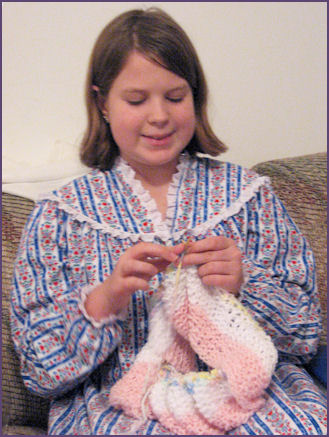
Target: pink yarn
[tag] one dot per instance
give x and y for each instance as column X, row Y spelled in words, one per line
column 181, row 355
column 243, row 368
column 128, row 392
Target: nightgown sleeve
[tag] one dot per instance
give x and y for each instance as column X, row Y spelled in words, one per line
column 280, row 282
column 57, row 345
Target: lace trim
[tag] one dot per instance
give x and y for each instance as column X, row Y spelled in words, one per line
column 145, row 197
column 161, row 228
column 112, row 318
column 184, row 164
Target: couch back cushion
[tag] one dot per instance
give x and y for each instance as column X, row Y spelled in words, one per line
column 19, row 406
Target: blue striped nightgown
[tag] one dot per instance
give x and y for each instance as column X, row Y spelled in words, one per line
column 75, row 236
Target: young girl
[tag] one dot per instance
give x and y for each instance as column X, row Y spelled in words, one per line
column 94, row 252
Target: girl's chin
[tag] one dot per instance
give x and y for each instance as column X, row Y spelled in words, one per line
column 151, row 159
column 157, row 156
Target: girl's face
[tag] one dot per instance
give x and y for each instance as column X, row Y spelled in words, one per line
column 151, row 113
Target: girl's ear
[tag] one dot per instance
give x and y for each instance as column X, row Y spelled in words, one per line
column 100, row 100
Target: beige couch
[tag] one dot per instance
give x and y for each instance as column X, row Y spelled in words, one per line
column 300, row 182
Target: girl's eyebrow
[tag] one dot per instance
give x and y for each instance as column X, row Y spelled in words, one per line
column 140, row 90
column 183, row 87
column 133, row 90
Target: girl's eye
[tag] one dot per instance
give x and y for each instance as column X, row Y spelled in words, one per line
column 139, row 102
column 135, row 102
column 175, row 100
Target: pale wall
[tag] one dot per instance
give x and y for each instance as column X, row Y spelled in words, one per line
column 265, row 64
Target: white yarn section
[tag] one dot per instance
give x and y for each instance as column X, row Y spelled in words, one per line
column 158, row 398
column 161, row 337
column 208, row 394
column 180, row 403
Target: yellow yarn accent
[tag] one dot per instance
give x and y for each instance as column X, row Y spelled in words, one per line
column 234, row 301
column 179, row 268
column 194, row 376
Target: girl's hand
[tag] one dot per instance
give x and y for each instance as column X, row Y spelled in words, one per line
column 132, row 272
column 219, row 262
column 138, row 265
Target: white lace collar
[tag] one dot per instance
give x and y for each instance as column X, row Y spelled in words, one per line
column 182, row 193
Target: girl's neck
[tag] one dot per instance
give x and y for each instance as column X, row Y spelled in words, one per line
column 155, row 176
column 156, row 181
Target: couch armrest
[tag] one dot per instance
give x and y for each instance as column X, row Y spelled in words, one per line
column 301, row 183
column 19, row 406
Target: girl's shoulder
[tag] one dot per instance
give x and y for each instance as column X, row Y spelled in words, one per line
column 228, row 173
column 82, row 187
column 83, row 197
column 105, row 201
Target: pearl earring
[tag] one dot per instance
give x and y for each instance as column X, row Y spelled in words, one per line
column 105, row 118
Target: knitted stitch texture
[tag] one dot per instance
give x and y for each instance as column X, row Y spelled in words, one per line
column 164, row 383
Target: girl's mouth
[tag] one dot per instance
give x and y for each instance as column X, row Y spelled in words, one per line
column 158, row 140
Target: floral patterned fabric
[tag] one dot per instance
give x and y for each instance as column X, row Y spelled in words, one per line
column 73, row 240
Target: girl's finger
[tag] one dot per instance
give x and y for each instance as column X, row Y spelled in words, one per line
column 219, row 268
column 138, row 268
column 179, row 248
column 210, row 244
column 159, row 263
column 226, row 282
column 134, row 283
column 151, row 250
column 230, row 254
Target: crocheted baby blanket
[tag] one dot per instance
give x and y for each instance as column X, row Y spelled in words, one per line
column 164, row 382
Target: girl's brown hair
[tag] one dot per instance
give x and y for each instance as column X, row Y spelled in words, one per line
column 157, row 36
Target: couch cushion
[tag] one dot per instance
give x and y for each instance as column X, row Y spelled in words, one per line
column 301, row 184
column 23, row 430
column 19, row 406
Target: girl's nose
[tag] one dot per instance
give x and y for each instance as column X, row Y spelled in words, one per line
column 158, row 113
